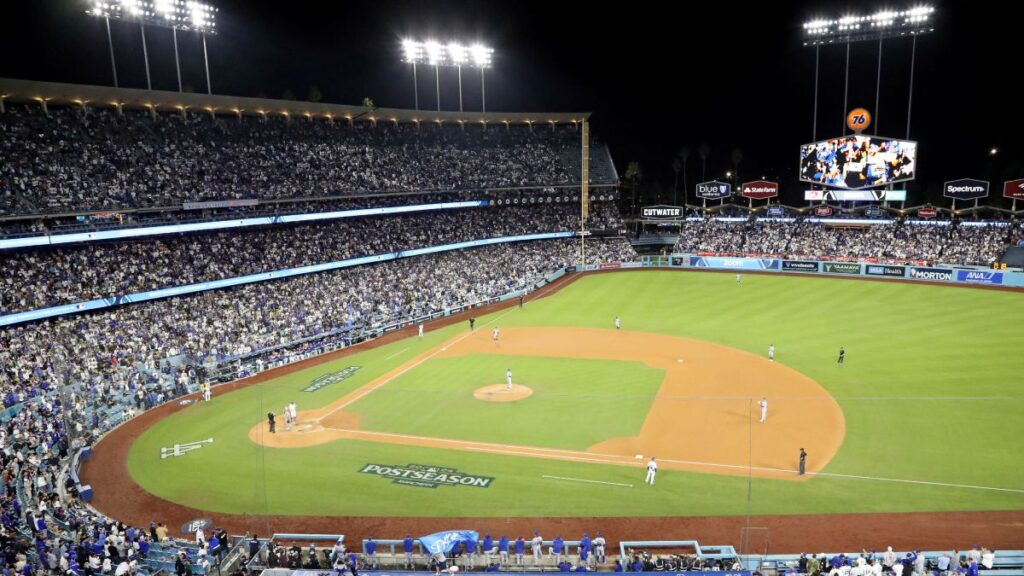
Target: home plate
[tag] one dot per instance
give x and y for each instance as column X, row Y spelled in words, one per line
column 679, row 360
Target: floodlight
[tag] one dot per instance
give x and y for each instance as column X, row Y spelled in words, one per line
column 457, row 54
column 481, row 55
column 435, row 53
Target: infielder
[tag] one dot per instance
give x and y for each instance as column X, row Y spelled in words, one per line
column 495, row 333
column 771, row 352
column 842, row 355
column 508, row 379
column 618, row 323
column 764, row 408
column 293, row 413
column 287, row 417
column 652, row 470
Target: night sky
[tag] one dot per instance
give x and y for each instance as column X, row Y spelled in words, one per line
column 727, row 74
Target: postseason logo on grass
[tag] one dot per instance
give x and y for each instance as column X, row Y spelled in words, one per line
column 422, row 476
column 332, row 378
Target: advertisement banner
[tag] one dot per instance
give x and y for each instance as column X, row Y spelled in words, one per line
column 734, row 263
column 1014, row 189
column 776, row 211
column 714, row 190
column 879, row 270
column 979, row 277
column 856, row 195
column 759, row 189
column 936, row 274
column 965, row 189
column 662, row 212
column 841, row 268
column 799, row 266
column 823, row 211
column 609, row 266
column 927, row 213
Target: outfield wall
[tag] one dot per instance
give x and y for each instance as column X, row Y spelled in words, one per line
column 964, row 275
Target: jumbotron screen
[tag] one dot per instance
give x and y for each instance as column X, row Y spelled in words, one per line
column 853, row 162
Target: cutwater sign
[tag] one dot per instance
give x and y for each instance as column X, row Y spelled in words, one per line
column 979, row 277
column 940, row 274
column 332, row 378
column 423, row 476
column 662, row 212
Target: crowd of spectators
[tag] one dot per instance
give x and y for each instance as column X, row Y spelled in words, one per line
column 897, row 242
column 45, row 277
column 913, row 563
column 78, row 159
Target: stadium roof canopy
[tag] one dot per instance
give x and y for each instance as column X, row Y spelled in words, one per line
column 162, row 100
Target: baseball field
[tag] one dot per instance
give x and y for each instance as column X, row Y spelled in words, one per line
column 924, row 415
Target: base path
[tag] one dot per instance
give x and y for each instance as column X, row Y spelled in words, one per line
column 707, row 387
column 119, row 497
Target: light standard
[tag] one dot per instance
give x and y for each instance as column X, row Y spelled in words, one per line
column 453, row 54
column 174, row 14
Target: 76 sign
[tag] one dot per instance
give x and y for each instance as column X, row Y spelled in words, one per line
column 858, row 119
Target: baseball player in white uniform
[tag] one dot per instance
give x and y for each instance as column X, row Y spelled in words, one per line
column 508, row 379
column 618, row 323
column 771, row 352
column 293, row 413
column 495, row 333
column 206, row 392
column 287, row 417
column 652, row 470
column 421, row 330
column 739, row 278
column 764, row 408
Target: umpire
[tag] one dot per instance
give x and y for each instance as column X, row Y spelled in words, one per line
column 803, row 461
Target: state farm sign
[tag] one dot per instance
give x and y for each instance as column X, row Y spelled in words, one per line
column 759, row 189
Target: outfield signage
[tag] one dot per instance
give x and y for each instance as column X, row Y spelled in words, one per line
column 776, row 211
column 939, row 274
column 1014, row 189
column 734, row 263
column 877, row 270
column 423, row 476
column 823, row 211
column 841, row 268
column 332, row 378
column 979, row 277
column 856, row 195
column 662, row 212
column 759, row 189
column 714, row 190
column 965, row 189
column 927, row 213
column 800, row 265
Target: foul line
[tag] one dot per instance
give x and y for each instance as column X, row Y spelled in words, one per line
column 588, row 481
column 403, row 350
column 424, row 359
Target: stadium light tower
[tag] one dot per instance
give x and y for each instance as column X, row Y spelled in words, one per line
column 453, row 54
column 174, row 14
column 878, row 26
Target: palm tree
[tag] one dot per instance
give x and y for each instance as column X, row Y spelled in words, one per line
column 677, row 165
column 737, row 157
column 703, row 151
column 634, row 174
column 684, row 156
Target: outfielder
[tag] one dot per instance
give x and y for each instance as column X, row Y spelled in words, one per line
column 618, row 323
column 421, row 330
column 652, row 470
column 842, row 355
column 771, row 352
column 206, row 392
column 508, row 379
column 739, row 278
column 764, row 408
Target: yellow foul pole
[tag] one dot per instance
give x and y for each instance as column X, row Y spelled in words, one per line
column 584, row 192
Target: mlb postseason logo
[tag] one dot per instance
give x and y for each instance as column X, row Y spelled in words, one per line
column 422, row 476
column 877, row 270
column 936, row 274
column 714, row 190
column 332, row 378
column 979, row 277
column 182, row 449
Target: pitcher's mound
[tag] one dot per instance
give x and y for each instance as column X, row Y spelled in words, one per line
column 499, row 393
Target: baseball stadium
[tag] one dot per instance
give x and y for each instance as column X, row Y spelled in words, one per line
column 251, row 335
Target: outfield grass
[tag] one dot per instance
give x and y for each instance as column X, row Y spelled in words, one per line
column 931, row 391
